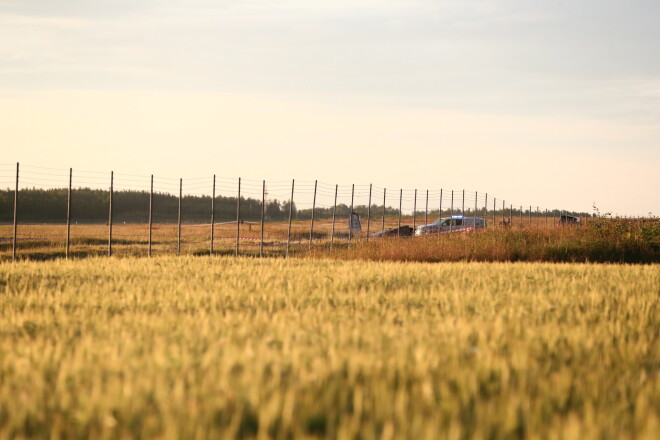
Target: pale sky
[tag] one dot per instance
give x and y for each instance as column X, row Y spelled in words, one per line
column 555, row 104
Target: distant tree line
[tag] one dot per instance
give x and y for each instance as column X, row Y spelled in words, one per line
column 91, row 206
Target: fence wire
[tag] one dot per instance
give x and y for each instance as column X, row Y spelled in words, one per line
column 82, row 212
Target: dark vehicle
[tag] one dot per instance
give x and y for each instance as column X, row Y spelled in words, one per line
column 569, row 219
column 403, row 231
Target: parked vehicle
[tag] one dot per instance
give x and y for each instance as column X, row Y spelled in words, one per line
column 569, row 219
column 403, row 231
column 456, row 223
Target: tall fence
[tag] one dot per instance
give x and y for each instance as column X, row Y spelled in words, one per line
column 46, row 212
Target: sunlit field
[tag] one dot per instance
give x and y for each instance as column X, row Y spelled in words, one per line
column 223, row 347
column 599, row 240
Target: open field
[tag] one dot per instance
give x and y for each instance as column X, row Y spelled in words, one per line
column 600, row 240
column 41, row 241
column 604, row 241
column 216, row 347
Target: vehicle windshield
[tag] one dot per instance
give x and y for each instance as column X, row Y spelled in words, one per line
column 442, row 221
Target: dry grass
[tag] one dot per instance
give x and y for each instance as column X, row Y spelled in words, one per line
column 200, row 348
column 604, row 241
column 599, row 241
column 568, row 244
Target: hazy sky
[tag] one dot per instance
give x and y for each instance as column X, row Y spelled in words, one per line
column 554, row 104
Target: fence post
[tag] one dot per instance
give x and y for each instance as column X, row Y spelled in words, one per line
column 238, row 218
column 151, row 213
column 415, row 212
column 474, row 221
column 440, row 215
column 178, row 235
column 510, row 214
column 546, row 217
column 451, row 214
column 426, row 209
column 112, row 177
column 463, row 206
column 383, row 222
column 212, row 217
column 369, row 214
column 521, row 217
column 13, row 242
column 485, row 209
column 350, row 216
column 334, row 217
column 263, row 216
column 288, row 237
column 311, row 228
column 68, row 216
column 398, row 231
column 530, row 216
column 494, row 209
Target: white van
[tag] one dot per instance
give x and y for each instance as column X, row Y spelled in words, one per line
column 456, row 223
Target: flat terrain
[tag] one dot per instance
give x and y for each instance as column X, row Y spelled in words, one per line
column 215, row 347
column 599, row 240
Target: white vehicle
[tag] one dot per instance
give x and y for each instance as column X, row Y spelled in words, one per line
column 456, row 223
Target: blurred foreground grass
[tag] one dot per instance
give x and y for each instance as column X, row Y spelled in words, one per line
column 244, row 348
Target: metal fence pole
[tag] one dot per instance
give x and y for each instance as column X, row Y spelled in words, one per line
column 398, row 231
column 510, row 214
column 350, row 216
column 288, row 237
column 530, row 216
column 474, row 218
column 521, row 217
column 369, row 214
column 178, row 235
column 13, row 241
column 440, row 215
column 494, row 209
column 415, row 212
column 238, row 218
column 112, row 177
column 68, row 216
column 451, row 214
column 151, row 213
column 334, row 217
column 426, row 209
column 263, row 216
column 212, row 217
column 485, row 209
column 463, row 206
column 382, row 228
column 546, row 217
column 311, row 228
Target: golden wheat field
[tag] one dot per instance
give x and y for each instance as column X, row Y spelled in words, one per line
column 216, row 347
